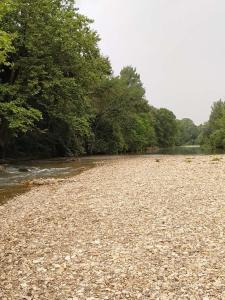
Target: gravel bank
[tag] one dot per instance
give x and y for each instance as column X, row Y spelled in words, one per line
column 133, row 228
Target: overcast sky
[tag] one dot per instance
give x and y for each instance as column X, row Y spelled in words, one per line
column 178, row 47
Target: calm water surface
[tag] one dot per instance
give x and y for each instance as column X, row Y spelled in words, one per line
column 12, row 177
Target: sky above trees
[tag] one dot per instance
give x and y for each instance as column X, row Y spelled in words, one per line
column 177, row 46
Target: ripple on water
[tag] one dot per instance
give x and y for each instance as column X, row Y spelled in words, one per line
column 12, row 178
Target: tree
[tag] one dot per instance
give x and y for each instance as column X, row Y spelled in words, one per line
column 57, row 93
column 214, row 131
column 13, row 117
column 122, row 121
column 139, row 132
column 52, row 72
column 187, row 132
column 6, row 39
column 165, row 127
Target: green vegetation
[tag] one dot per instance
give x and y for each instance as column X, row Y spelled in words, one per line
column 213, row 132
column 187, row 132
column 58, row 95
column 121, row 115
column 166, row 127
column 57, row 92
column 6, row 38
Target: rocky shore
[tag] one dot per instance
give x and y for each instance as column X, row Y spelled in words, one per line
column 148, row 227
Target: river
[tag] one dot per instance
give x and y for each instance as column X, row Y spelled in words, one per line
column 14, row 175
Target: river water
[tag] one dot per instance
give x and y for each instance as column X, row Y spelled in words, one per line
column 14, row 175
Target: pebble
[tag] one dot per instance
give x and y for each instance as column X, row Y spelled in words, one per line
column 130, row 228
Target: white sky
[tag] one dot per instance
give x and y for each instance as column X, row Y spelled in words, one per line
column 178, row 47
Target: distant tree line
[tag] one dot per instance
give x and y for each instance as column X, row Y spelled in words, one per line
column 58, row 94
column 209, row 135
column 187, row 132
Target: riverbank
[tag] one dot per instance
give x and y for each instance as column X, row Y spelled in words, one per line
column 148, row 227
column 19, row 177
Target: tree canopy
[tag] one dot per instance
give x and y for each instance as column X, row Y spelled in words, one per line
column 6, row 38
column 166, row 127
column 187, row 132
column 213, row 132
column 58, row 95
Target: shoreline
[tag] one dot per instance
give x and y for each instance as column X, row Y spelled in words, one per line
column 131, row 228
column 8, row 193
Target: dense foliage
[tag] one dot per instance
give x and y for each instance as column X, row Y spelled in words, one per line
column 187, row 132
column 213, row 132
column 5, row 37
column 57, row 93
column 44, row 103
column 166, row 127
column 122, row 120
